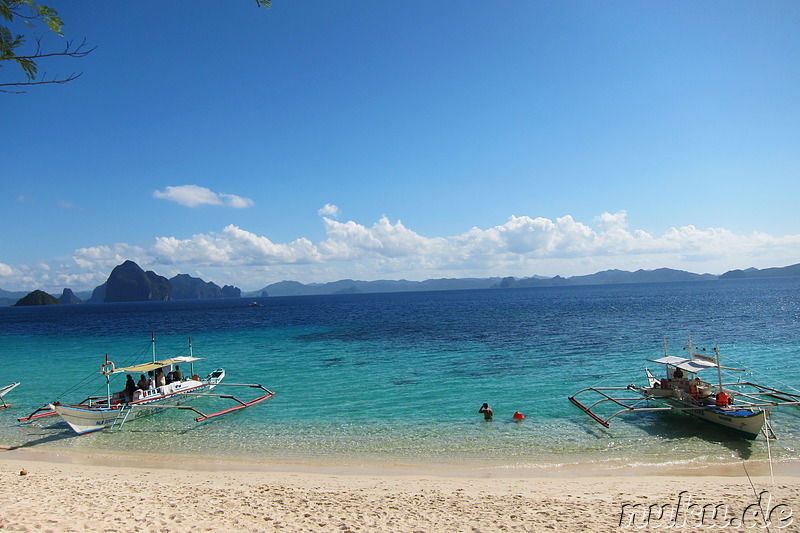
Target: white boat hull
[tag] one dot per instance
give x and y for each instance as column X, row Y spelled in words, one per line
column 89, row 418
column 748, row 422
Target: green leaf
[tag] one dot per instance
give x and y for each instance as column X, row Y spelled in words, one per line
column 5, row 11
column 29, row 66
column 51, row 18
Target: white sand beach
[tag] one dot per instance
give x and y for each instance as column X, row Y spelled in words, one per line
column 58, row 492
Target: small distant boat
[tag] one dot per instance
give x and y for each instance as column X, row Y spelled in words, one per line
column 254, row 304
column 742, row 407
column 114, row 409
column 3, row 391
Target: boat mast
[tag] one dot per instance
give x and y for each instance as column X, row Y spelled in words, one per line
column 153, row 344
column 191, row 363
column 108, row 383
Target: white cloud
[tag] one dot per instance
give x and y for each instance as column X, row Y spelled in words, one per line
column 609, row 222
column 6, row 271
column 329, row 210
column 522, row 246
column 194, row 196
column 233, row 246
column 107, row 257
column 349, row 240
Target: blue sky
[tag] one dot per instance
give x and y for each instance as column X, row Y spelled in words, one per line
column 316, row 141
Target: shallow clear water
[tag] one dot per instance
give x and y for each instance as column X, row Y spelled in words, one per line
column 399, row 377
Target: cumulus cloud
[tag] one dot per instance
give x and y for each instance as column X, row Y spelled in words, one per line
column 194, row 196
column 233, row 246
column 109, row 256
column 329, row 210
column 349, row 240
column 6, row 270
column 521, row 246
column 612, row 221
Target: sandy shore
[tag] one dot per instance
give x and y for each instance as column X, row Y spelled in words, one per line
column 49, row 492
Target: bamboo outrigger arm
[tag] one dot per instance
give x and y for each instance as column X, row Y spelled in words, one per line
column 6, row 389
column 604, row 397
column 783, row 397
column 39, row 413
column 626, row 408
column 268, row 394
column 46, row 411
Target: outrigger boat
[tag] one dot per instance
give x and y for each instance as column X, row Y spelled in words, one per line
column 741, row 406
column 4, row 391
column 114, row 409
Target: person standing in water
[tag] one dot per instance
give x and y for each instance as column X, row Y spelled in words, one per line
column 487, row 412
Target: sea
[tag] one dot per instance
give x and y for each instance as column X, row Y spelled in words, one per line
column 398, row 378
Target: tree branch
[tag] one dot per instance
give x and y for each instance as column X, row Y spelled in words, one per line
column 43, row 81
column 77, row 52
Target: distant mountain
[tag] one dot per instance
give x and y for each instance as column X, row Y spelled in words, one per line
column 751, row 273
column 606, row 277
column 659, row 275
column 349, row 286
column 37, row 297
column 99, row 294
column 84, row 296
column 129, row 283
column 185, row 287
column 68, row 297
column 10, row 297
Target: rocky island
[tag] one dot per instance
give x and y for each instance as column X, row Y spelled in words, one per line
column 128, row 282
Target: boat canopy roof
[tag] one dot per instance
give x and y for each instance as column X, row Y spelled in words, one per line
column 689, row 365
column 145, row 367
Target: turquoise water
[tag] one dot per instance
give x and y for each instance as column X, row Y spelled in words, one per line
column 399, row 378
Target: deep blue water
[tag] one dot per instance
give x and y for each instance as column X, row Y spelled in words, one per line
column 400, row 376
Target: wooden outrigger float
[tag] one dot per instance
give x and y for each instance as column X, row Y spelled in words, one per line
column 3, row 391
column 111, row 411
column 741, row 406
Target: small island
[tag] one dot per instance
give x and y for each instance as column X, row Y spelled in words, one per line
column 37, row 297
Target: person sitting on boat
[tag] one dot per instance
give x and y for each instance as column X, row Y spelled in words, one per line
column 160, row 379
column 151, row 380
column 142, row 382
column 130, row 388
column 177, row 375
column 678, row 374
